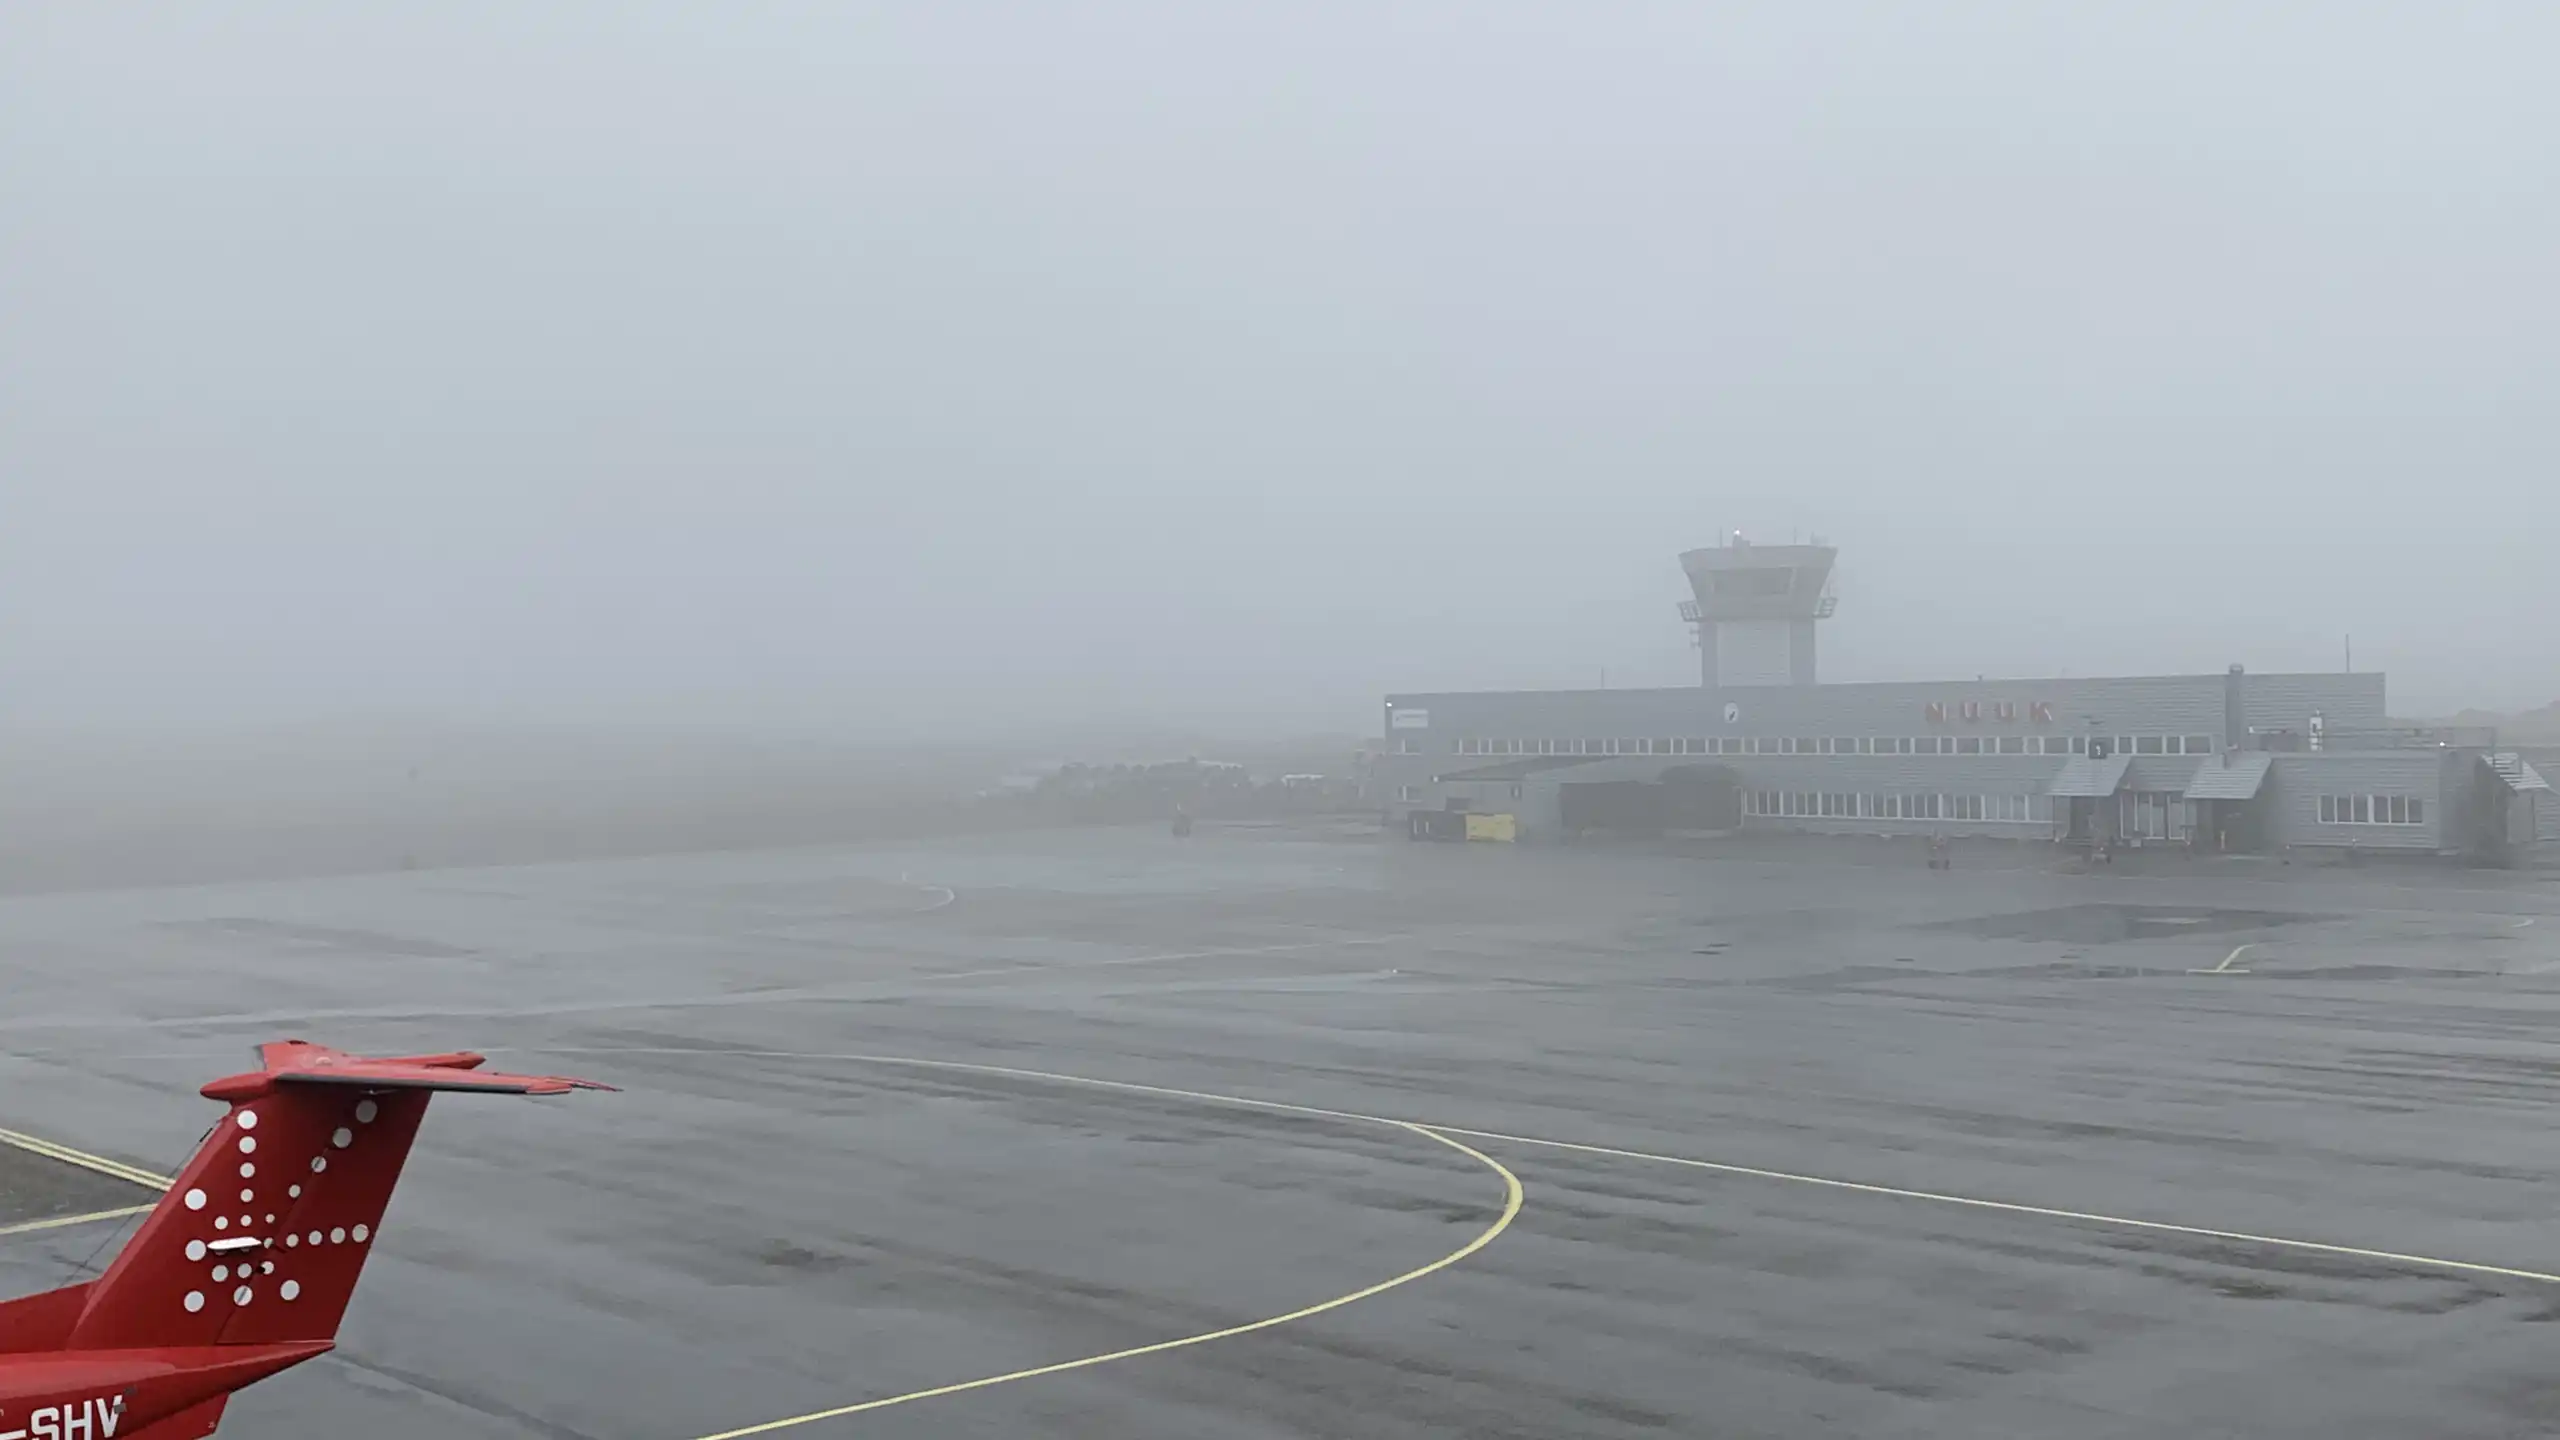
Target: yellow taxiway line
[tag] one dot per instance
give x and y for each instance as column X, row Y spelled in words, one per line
column 60, row 1222
column 53, row 1150
column 1511, row 1201
column 1510, row 1210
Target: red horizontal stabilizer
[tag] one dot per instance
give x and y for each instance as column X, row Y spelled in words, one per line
column 295, row 1062
column 264, row 1233
column 40, row 1322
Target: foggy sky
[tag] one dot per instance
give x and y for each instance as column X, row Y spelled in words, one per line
column 961, row 369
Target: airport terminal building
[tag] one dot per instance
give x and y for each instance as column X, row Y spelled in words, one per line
column 2229, row 761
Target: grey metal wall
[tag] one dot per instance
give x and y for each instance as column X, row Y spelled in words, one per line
column 2297, row 782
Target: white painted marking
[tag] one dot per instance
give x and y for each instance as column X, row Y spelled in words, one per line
column 338, row 1237
column 248, row 1119
column 248, row 1144
column 944, row 893
column 342, row 1137
column 290, row 1290
column 195, row 1301
column 856, row 992
column 195, row 1199
column 1179, row 955
column 195, row 1250
column 2396, row 1257
column 2225, row 967
column 240, row 1296
column 361, row 1233
column 221, row 1273
column 248, row 1171
column 365, row 1111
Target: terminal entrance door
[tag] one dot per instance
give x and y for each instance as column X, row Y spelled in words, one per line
column 2155, row 815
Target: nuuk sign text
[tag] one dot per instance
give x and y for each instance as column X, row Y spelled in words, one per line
column 2005, row 712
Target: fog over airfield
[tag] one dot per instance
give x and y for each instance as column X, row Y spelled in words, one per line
column 959, row 370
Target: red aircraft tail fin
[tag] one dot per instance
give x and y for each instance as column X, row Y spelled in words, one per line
column 265, row 1233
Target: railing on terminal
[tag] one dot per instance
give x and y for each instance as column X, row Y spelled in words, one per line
column 2292, row 740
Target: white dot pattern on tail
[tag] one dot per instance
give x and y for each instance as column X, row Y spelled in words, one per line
column 291, row 1290
column 342, row 1137
column 240, row 1296
column 195, row 1199
column 248, row 1144
column 195, row 1301
column 248, row 1119
column 337, row 1237
column 195, row 1249
column 365, row 1111
column 361, row 1234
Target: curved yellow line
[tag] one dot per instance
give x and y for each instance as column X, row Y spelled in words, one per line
column 1511, row 1198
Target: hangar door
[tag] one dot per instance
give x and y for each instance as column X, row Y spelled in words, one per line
column 1687, row 797
column 1627, row 806
column 1701, row 797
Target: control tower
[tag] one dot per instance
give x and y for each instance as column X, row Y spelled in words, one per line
column 1756, row 609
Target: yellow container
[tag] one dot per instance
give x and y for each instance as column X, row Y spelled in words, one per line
column 1501, row 828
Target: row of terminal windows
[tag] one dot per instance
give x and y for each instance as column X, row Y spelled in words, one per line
column 2026, row 809
column 1834, row 805
column 2372, row 810
column 1838, row 745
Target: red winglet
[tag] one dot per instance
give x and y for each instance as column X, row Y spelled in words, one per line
column 297, row 1062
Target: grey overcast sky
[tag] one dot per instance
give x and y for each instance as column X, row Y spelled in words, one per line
column 962, row 369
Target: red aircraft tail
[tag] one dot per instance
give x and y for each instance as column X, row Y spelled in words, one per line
column 261, row 1240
